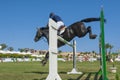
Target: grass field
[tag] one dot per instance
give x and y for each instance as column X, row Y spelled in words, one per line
column 34, row 71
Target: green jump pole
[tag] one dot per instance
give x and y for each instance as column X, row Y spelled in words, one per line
column 103, row 54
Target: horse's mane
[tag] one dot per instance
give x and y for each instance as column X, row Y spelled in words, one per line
column 44, row 28
column 75, row 23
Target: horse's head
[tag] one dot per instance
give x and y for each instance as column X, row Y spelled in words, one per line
column 38, row 35
column 41, row 32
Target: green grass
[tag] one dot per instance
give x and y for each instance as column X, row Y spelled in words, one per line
column 34, row 71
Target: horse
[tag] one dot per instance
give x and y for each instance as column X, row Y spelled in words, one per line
column 77, row 29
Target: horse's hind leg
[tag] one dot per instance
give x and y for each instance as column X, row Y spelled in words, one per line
column 91, row 36
column 44, row 61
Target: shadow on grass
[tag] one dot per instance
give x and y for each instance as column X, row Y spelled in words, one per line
column 62, row 72
column 43, row 79
column 85, row 75
column 37, row 72
column 41, row 73
column 78, row 77
column 89, row 75
column 40, row 79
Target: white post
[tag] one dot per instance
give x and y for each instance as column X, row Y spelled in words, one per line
column 53, row 66
column 74, row 70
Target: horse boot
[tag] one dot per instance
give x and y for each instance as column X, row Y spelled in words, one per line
column 44, row 61
column 91, row 36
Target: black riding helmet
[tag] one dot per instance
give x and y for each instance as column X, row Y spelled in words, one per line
column 51, row 14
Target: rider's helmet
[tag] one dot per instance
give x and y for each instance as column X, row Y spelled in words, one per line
column 51, row 14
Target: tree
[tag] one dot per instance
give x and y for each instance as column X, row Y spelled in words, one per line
column 21, row 50
column 108, row 47
column 3, row 46
column 10, row 48
column 60, row 51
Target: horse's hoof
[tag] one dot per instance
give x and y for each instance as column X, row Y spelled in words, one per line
column 43, row 62
column 93, row 36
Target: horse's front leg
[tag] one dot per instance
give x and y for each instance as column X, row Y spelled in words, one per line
column 44, row 61
column 91, row 36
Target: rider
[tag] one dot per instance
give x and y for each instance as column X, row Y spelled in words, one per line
column 59, row 21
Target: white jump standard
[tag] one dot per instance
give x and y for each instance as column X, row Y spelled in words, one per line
column 53, row 72
column 74, row 70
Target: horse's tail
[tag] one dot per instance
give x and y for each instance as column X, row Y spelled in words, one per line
column 91, row 20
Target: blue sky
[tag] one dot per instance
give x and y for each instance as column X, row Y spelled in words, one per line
column 19, row 19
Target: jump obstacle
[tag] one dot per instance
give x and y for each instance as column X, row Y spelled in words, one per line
column 53, row 72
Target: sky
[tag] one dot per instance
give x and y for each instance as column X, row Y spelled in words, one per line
column 20, row 18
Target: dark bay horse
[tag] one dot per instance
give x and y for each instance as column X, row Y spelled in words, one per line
column 77, row 29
